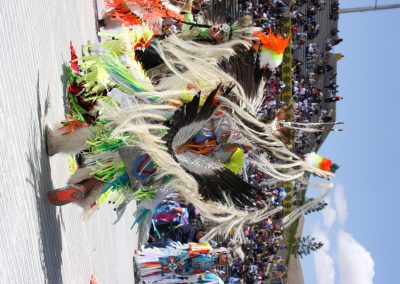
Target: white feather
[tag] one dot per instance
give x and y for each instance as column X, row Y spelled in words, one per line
column 59, row 141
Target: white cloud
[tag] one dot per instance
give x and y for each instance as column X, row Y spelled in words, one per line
column 341, row 204
column 324, row 266
column 352, row 262
column 356, row 265
column 329, row 214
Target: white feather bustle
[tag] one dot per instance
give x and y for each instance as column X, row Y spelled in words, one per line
column 225, row 215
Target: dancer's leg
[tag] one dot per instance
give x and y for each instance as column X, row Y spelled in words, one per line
column 59, row 141
column 72, row 193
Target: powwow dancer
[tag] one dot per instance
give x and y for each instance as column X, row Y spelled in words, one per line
column 181, row 263
column 155, row 138
column 136, row 12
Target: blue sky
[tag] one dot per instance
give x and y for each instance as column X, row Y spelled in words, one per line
column 368, row 152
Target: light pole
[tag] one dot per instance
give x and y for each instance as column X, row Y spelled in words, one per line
column 369, row 8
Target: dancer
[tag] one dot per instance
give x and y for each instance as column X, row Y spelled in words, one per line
column 154, row 139
column 179, row 263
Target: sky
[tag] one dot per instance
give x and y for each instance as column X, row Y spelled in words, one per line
column 360, row 226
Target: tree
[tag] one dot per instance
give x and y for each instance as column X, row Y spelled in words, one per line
column 305, row 245
column 318, row 207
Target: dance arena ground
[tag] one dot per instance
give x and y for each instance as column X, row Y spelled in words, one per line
column 40, row 243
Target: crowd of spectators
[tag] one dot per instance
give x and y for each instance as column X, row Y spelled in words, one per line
column 263, row 253
column 264, row 260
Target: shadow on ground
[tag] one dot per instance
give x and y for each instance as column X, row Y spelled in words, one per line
column 50, row 241
column 64, row 81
